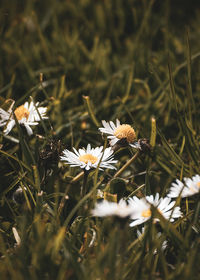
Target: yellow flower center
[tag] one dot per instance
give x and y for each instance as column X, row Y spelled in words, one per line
column 88, row 158
column 198, row 184
column 21, row 112
column 146, row 213
column 125, row 131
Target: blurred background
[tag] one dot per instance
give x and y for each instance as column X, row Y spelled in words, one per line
column 130, row 59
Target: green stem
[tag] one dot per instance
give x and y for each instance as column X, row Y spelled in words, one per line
column 127, row 164
column 83, row 187
column 62, row 202
column 77, row 177
column 91, row 113
column 79, row 205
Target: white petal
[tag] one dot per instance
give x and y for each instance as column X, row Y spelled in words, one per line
column 28, row 129
column 117, row 123
column 9, row 127
column 112, row 125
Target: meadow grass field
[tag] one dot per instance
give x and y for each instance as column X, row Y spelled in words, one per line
column 127, row 205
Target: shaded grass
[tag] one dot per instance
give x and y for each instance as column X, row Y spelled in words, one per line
column 99, row 60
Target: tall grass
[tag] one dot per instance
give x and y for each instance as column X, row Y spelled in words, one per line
column 88, row 61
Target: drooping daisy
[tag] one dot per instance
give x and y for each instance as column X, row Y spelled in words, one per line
column 26, row 115
column 158, row 235
column 119, row 132
column 142, row 209
column 191, row 187
column 164, row 244
column 107, row 208
column 89, row 158
column 19, row 195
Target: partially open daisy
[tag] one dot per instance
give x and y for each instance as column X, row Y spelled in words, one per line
column 118, row 132
column 90, row 157
column 107, row 208
column 140, row 235
column 191, row 187
column 26, row 115
column 142, row 209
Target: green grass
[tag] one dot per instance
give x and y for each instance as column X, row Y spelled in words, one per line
column 89, row 61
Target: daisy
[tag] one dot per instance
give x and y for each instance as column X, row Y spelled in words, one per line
column 89, row 158
column 26, row 115
column 191, row 187
column 142, row 209
column 119, row 132
column 107, row 208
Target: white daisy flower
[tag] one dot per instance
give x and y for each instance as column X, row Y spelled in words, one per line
column 89, row 158
column 118, row 132
column 107, row 208
column 191, row 187
column 142, row 209
column 26, row 115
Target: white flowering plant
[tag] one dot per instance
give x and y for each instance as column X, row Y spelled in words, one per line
column 99, row 140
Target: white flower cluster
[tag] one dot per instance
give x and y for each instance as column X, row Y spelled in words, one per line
column 87, row 158
column 138, row 209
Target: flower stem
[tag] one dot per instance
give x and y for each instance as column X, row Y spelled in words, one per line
column 127, row 164
column 80, row 203
column 77, row 177
column 83, row 188
column 89, row 107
